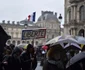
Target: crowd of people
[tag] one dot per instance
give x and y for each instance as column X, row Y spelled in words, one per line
column 54, row 58
column 15, row 58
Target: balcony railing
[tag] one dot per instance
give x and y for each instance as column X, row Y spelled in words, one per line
column 75, row 1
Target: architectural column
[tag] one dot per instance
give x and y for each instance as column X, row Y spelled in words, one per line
column 75, row 12
column 72, row 11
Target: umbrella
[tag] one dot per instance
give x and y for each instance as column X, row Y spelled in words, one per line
column 55, row 49
column 78, row 57
column 23, row 46
column 3, row 38
column 80, row 39
column 45, row 47
column 63, row 42
column 72, row 46
column 54, row 40
column 60, row 38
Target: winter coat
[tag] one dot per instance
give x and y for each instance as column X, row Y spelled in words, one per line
column 13, row 61
column 53, row 65
column 34, row 62
column 25, row 61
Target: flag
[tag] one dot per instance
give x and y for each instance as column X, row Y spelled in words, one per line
column 32, row 17
column 34, row 14
column 29, row 17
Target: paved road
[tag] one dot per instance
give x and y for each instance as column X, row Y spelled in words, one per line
column 39, row 67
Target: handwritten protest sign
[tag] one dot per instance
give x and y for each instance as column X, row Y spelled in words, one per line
column 37, row 33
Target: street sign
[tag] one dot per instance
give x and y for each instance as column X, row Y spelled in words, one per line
column 33, row 34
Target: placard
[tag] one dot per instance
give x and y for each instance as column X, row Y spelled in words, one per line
column 30, row 34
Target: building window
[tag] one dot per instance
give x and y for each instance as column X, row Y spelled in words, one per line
column 43, row 17
column 18, row 42
column 8, row 42
column 81, row 32
column 9, row 29
column 69, row 15
column 70, row 31
column 23, row 41
column 14, row 42
column 82, row 13
column 27, row 42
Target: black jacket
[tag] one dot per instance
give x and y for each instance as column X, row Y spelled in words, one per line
column 51, row 65
column 25, row 61
column 13, row 62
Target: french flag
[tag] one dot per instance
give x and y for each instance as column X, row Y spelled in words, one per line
column 32, row 17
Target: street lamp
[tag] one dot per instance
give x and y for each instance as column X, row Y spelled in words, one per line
column 60, row 20
column 25, row 25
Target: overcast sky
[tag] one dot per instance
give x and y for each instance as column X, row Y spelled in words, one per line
column 17, row 10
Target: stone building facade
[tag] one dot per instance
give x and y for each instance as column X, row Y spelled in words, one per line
column 47, row 20
column 15, row 31
column 74, row 17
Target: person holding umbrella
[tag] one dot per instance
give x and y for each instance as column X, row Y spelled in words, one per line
column 55, row 58
column 77, row 62
column 27, row 58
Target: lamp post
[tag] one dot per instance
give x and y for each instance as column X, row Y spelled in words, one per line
column 60, row 19
column 25, row 25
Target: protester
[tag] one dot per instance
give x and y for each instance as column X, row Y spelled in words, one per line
column 53, row 61
column 12, row 62
column 27, row 58
column 12, row 46
column 34, row 62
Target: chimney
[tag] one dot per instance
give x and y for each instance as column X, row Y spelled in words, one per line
column 3, row 21
column 13, row 22
column 18, row 23
column 42, row 12
column 8, row 22
column 55, row 14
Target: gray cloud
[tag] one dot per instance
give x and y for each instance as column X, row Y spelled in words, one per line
column 20, row 9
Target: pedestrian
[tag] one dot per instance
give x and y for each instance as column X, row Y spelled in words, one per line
column 34, row 62
column 53, row 61
column 26, row 58
column 12, row 62
column 12, row 46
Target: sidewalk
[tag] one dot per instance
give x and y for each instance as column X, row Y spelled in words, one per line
column 39, row 67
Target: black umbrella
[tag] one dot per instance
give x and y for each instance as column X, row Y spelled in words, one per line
column 3, row 35
column 78, row 57
column 59, row 49
column 72, row 46
column 3, row 38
